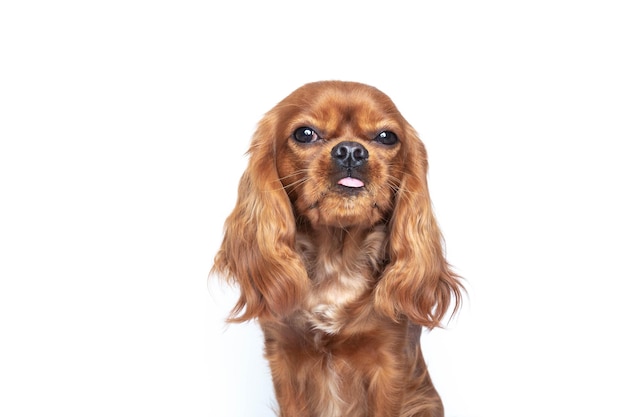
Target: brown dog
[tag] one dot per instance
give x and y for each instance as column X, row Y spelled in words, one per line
column 337, row 253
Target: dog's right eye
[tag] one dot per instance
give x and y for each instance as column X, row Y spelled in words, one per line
column 305, row 135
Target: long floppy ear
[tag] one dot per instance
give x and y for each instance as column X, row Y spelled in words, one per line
column 257, row 251
column 418, row 281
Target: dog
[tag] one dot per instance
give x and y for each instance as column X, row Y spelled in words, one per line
column 336, row 251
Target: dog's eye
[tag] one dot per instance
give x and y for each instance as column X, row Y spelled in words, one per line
column 386, row 138
column 305, row 135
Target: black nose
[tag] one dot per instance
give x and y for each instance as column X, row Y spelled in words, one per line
column 349, row 154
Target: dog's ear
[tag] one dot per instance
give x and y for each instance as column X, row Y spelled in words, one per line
column 257, row 251
column 418, row 282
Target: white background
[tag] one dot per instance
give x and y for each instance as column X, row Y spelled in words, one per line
column 123, row 128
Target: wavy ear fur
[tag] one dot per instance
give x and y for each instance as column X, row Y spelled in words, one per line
column 418, row 281
column 259, row 236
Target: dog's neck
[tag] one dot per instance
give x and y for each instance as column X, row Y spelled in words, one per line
column 328, row 251
column 343, row 264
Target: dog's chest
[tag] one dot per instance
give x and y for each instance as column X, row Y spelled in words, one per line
column 329, row 306
column 342, row 269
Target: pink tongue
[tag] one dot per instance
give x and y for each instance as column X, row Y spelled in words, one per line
column 350, row 182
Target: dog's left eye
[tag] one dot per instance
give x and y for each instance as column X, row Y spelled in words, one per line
column 386, row 138
column 305, row 135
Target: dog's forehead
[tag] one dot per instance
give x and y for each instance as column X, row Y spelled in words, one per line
column 335, row 109
column 350, row 100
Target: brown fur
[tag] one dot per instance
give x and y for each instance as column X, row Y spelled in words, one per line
column 341, row 282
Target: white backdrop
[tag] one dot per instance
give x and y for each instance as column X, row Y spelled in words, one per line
column 123, row 128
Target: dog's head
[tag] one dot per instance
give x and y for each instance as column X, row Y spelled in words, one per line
column 342, row 151
column 335, row 155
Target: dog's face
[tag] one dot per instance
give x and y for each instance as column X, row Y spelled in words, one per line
column 341, row 156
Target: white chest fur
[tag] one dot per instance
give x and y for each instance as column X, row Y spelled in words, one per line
column 343, row 267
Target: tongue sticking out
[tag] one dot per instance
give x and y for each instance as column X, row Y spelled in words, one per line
column 350, row 182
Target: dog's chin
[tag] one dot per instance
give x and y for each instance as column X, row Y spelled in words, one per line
column 345, row 207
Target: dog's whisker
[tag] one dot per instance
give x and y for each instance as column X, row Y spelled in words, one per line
column 288, row 187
